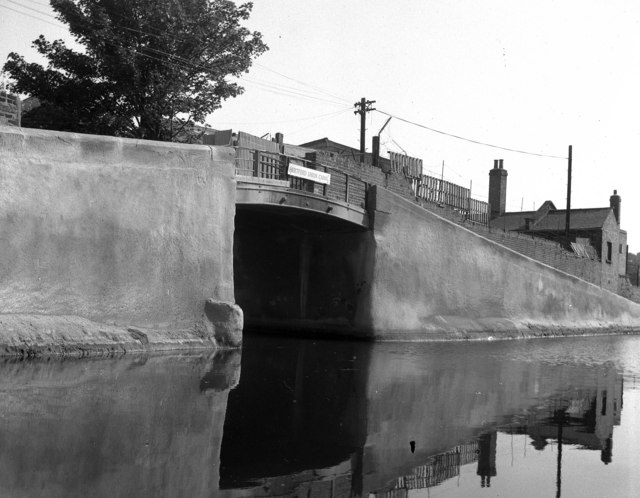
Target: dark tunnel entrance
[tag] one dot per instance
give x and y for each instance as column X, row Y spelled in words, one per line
column 300, row 271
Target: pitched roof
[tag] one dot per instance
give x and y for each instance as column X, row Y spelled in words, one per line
column 514, row 221
column 338, row 148
column 327, row 144
column 518, row 220
column 553, row 220
column 581, row 219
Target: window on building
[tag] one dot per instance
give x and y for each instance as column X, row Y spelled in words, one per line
column 609, row 251
column 620, row 249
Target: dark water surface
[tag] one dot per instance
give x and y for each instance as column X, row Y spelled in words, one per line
column 555, row 417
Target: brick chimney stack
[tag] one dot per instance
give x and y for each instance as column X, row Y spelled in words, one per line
column 614, row 202
column 498, row 188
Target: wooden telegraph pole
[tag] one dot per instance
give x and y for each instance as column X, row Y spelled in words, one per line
column 364, row 106
column 567, row 225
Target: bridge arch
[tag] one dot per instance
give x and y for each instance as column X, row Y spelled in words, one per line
column 300, row 255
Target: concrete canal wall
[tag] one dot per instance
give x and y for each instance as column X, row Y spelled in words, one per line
column 114, row 244
column 412, row 276
column 111, row 244
column 433, row 279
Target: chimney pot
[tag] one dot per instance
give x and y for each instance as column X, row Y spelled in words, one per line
column 614, row 202
column 497, row 189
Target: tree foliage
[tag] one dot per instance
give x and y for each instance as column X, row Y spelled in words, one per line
column 148, row 69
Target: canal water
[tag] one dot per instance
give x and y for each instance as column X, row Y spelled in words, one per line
column 313, row 418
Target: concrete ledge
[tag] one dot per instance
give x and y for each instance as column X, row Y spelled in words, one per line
column 40, row 335
column 502, row 334
column 458, row 330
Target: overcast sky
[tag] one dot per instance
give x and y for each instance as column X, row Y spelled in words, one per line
column 535, row 76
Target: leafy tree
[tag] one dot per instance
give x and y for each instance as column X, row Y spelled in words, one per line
column 148, row 69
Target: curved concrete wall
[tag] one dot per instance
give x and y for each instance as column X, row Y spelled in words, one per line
column 112, row 231
column 433, row 279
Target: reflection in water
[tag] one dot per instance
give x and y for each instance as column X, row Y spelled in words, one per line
column 582, row 417
column 134, row 426
column 299, row 407
column 487, row 458
column 382, row 420
column 328, row 419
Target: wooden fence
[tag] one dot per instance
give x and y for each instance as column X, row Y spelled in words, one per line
column 449, row 194
column 439, row 468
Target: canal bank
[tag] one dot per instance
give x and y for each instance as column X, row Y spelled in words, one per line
column 112, row 245
column 411, row 276
column 434, row 279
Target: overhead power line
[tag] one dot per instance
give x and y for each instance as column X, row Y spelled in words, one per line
column 30, row 8
column 33, row 17
column 41, row 4
column 313, row 87
column 296, row 120
column 183, row 63
column 317, row 122
column 180, row 62
column 469, row 139
column 291, row 90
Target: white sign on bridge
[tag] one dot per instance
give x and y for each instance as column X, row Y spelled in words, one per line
column 299, row 171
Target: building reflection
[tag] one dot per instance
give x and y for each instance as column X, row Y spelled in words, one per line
column 583, row 417
column 587, row 416
column 348, row 419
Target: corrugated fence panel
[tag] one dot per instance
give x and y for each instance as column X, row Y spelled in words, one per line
column 244, row 162
column 411, row 167
column 449, row 194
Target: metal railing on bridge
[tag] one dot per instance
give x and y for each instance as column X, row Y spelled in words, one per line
column 273, row 166
column 352, row 190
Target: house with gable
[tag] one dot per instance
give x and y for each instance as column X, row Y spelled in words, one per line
column 594, row 233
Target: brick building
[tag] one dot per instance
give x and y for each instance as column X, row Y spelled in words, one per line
column 345, row 152
column 10, row 108
column 633, row 269
column 594, row 233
